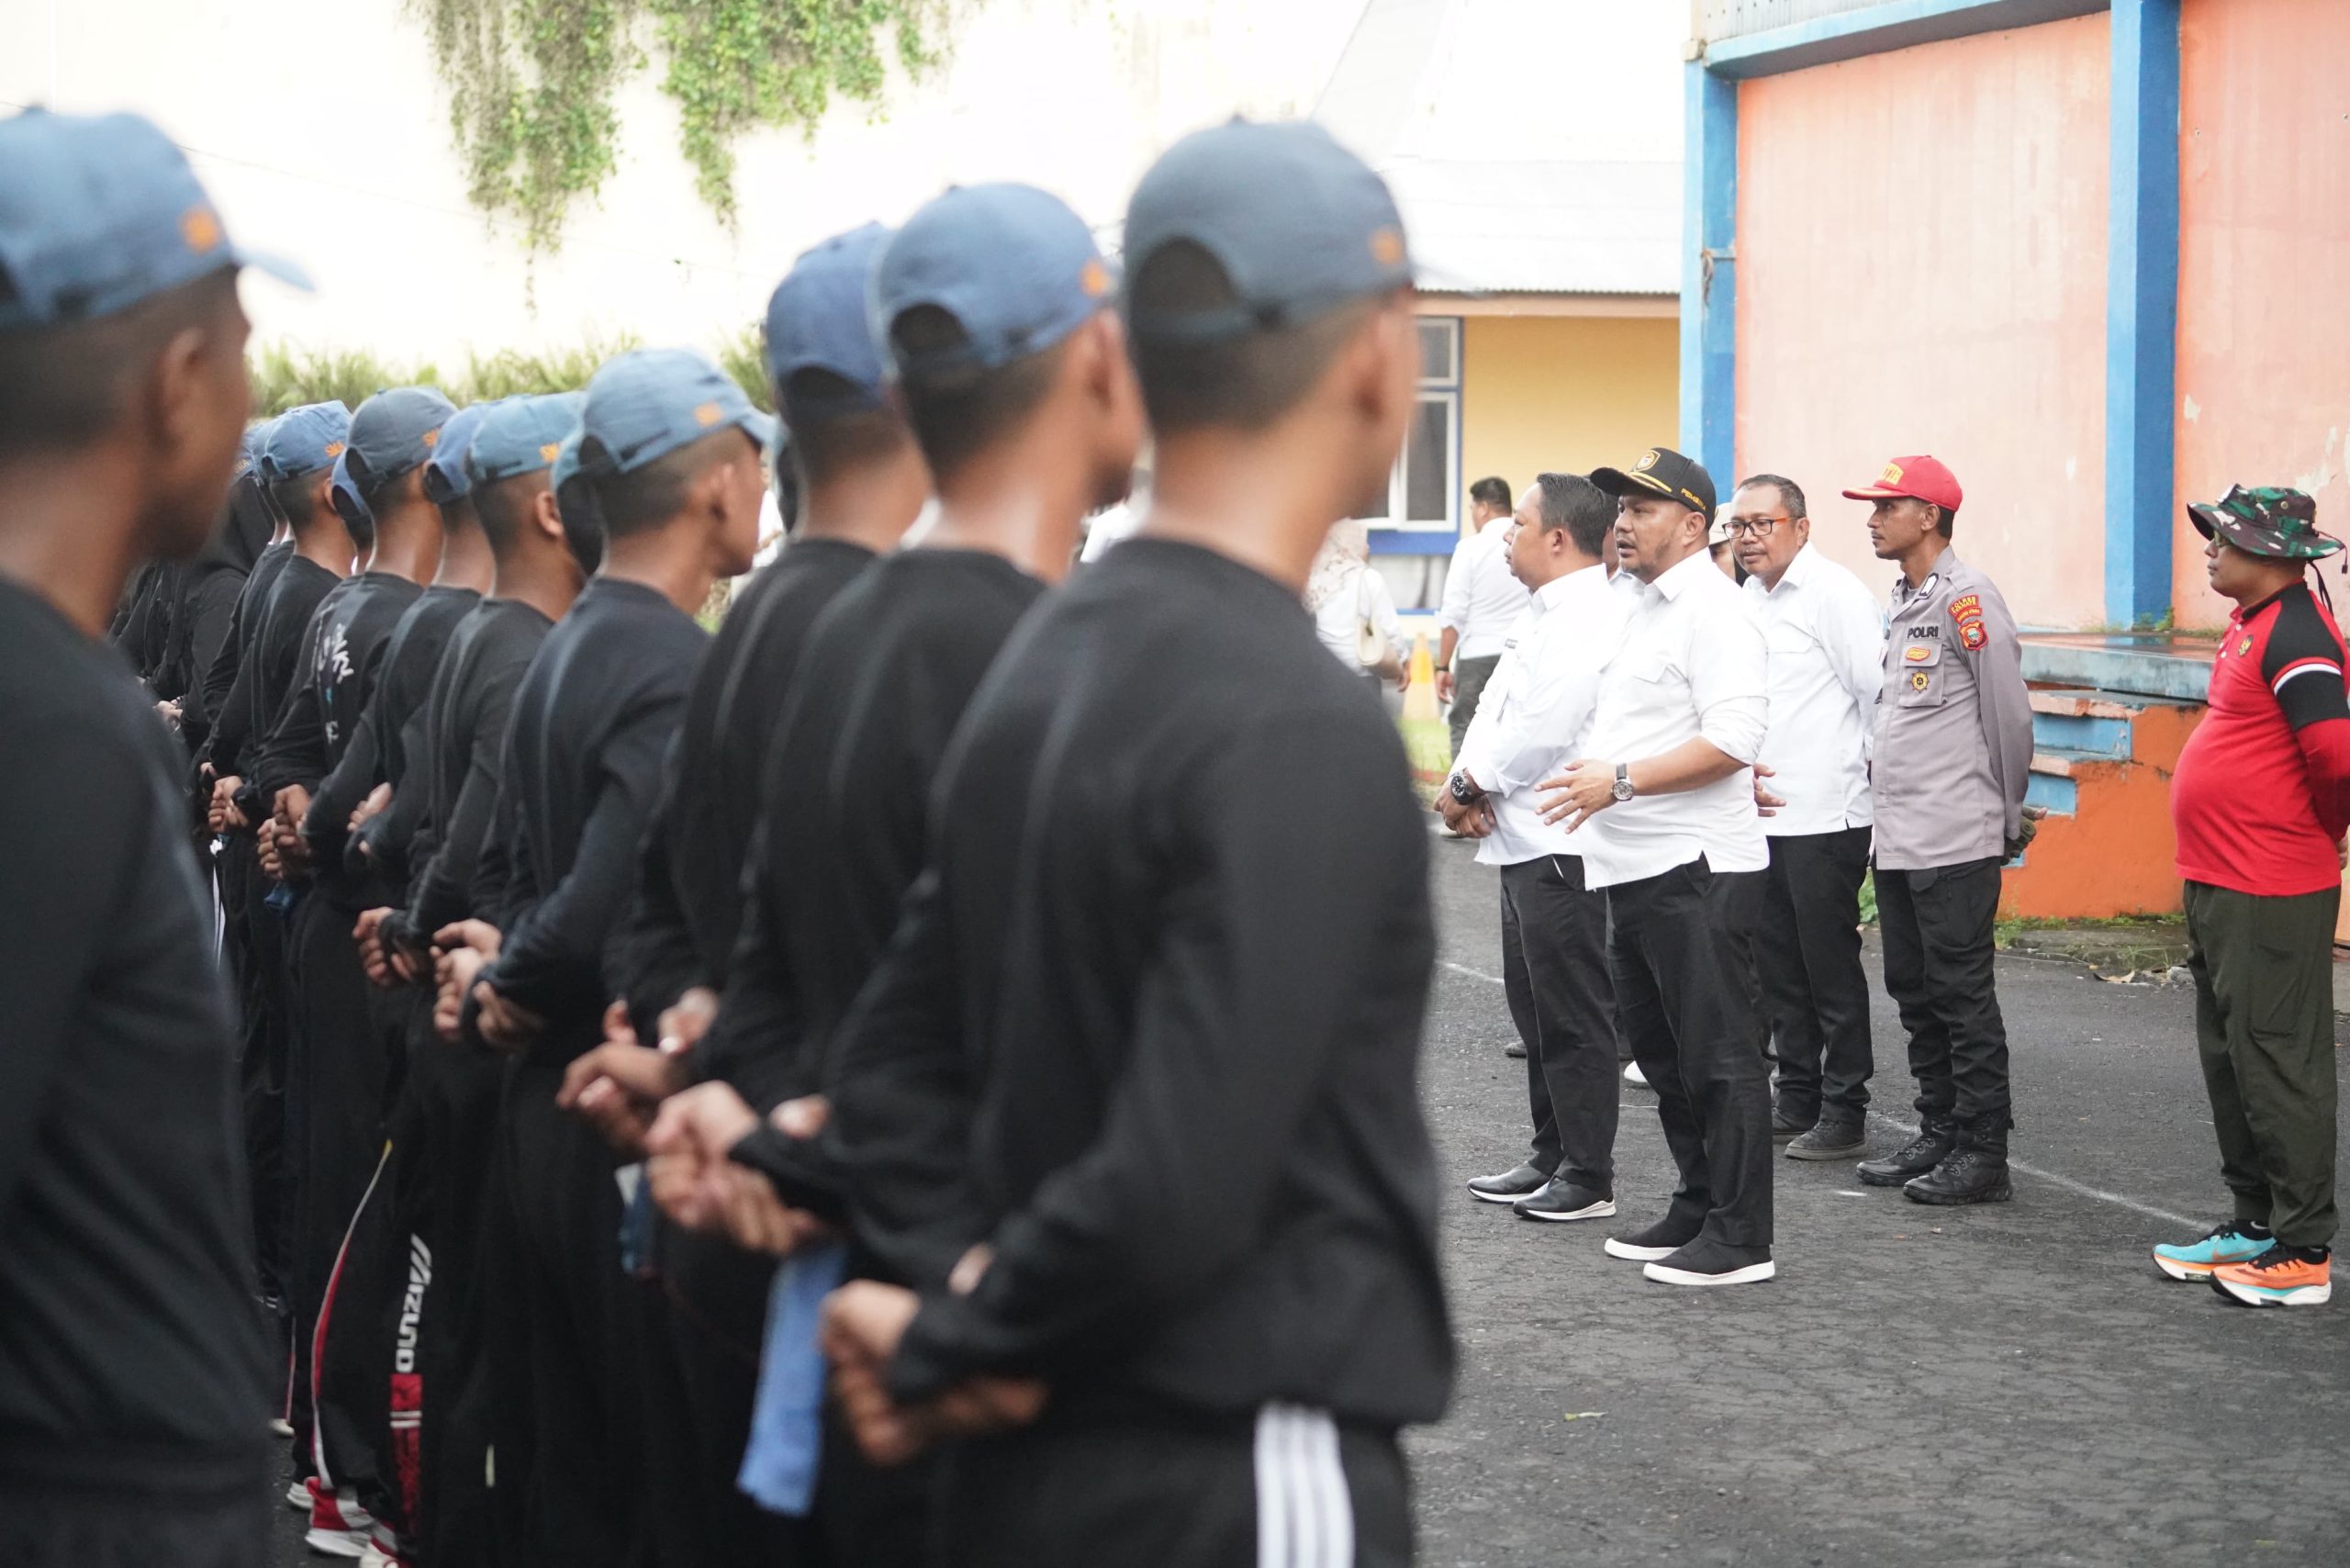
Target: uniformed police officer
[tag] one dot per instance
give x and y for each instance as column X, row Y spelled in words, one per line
column 1953, row 754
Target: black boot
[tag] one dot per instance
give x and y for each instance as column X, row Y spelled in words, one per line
column 1976, row 1172
column 1932, row 1145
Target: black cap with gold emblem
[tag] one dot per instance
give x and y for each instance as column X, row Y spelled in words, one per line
column 1661, row 472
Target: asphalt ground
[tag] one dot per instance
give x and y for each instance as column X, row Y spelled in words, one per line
column 2008, row 1384
column 2013, row 1384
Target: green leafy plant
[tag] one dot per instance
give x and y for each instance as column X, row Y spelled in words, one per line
column 286, row 375
column 532, row 84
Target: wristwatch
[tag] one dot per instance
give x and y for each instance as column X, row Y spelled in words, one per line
column 1467, row 793
column 1622, row 788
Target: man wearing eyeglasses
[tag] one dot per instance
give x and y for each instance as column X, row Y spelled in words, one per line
column 1826, row 638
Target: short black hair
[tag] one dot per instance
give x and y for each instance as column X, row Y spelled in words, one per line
column 1493, row 491
column 640, row 501
column 61, row 386
column 834, row 425
column 1949, row 516
column 390, row 490
column 957, row 409
column 1572, row 502
column 296, row 499
column 1790, row 493
column 1247, row 381
column 503, row 507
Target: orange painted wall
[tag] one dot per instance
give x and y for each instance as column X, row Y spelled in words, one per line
column 1921, row 267
column 2264, row 264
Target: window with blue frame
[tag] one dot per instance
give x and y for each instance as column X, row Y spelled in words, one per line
column 1424, row 494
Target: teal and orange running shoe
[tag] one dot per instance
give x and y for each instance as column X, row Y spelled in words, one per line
column 2282, row 1276
column 2226, row 1244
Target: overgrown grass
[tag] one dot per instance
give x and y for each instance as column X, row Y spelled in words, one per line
column 287, row 375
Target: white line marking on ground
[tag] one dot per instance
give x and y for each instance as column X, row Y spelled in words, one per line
column 1909, row 1129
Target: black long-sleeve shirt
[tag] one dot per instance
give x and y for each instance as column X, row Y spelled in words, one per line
column 267, row 672
column 377, row 750
column 348, row 636
column 132, row 1357
column 688, row 908
column 245, row 626
column 593, row 721
column 1160, row 993
column 882, row 682
column 464, row 732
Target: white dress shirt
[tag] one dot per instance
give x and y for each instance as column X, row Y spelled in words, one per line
column 1826, row 636
column 1692, row 664
column 1482, row 598
column 1342, row 614
column 1112, row 526
column 1536, row 715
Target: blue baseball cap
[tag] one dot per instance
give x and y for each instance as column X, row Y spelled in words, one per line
column 342, row 492
column 523, row 435
column 816, row 317
column 647, row 403
column 394, row 431
column 1298, row 224
column 445, row 477
column 249, row 444
column 98, row 213
column 303, row 440
column 1015, row 268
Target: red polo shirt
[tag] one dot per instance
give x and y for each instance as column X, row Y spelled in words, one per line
column 2262, row 793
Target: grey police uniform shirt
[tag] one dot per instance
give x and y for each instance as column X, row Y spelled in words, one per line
column 1952, row 729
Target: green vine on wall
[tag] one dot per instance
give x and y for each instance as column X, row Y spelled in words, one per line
column 532, row 84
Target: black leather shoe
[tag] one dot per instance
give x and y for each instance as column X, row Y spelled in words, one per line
column 1510, row 1185
column 1704, row 1263
column 1835, row 1138
column 1564, row 1200
column 1969, row 1176
column 1788, row 1125
column 1661, row 1239
column 1932, row 1145
column 1515, row 1048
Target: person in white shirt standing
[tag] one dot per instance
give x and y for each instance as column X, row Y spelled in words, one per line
column 1482, row 600
column 1535, row 715
column 1825, row 637
column 1662, row 802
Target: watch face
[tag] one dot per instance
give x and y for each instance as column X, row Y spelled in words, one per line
column 1622, row 789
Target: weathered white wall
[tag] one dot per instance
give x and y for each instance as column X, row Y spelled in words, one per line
column 322, row 131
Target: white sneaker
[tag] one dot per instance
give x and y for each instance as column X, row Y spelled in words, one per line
column 279, row 1426
column 351, row 1543
column 1634, row 1076
column 298, row 1495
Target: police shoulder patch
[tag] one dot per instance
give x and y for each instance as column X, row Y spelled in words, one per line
column 1972, row 635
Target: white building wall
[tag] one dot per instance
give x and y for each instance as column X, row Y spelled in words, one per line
column 321, row 129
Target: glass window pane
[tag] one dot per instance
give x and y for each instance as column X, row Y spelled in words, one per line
column 1436, row 351
column 1427, row 456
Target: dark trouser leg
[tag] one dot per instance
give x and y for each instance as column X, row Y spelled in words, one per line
column 582, row 1504
column 1955, row 911
column 1686, row 981
column 1080, row 1495
column 468, row 1221
column 1808, row 966
column 342, row 1075
column 1561, row 937
column 2264, row 998
column 1468, row 677
column 708, row 1322
column 1905, row 979
column 1517, row 990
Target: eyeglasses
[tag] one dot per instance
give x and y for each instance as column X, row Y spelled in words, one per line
column 1759, row 527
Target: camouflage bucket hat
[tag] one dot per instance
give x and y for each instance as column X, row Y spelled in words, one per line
column 2269, row 521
